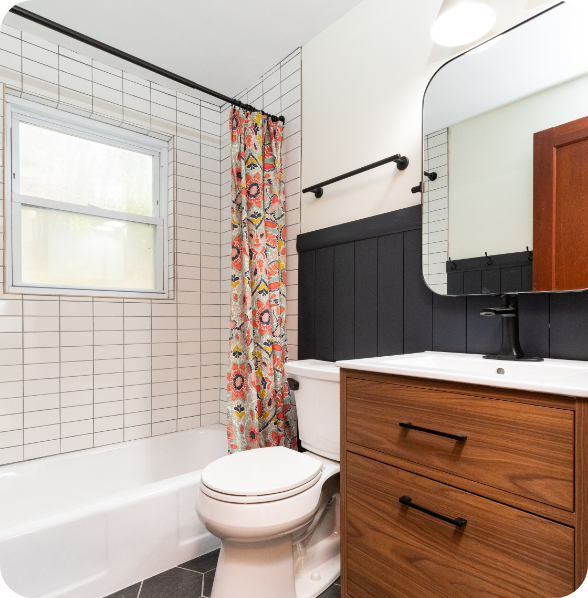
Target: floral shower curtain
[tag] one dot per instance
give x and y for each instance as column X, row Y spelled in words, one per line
column 258, row 402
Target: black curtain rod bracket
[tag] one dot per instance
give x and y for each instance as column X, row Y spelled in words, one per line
column 90, row 41
column 401, row 164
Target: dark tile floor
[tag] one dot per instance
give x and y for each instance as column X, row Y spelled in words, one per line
column 190, row 580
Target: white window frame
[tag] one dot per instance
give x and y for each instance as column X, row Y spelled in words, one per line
column 21, row 110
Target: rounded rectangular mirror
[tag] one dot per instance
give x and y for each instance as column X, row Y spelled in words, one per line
column 505, row 161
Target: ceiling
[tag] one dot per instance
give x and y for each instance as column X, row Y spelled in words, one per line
column 225, row 45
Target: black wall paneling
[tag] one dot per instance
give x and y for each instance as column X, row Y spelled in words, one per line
column 344, row 301
column 366, row 298
column 324, row 325
column 361, row 293
column 306, row 306
column 418, row 299
column 390, row 294
column 507, row 273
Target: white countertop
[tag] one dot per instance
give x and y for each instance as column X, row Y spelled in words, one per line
column 556, row 376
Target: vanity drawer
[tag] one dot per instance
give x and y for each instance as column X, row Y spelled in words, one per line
column 524, row 449
column 394, row 550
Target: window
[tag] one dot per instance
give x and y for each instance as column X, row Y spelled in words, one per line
column 86, row 211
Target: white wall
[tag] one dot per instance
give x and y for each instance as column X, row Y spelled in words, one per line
column 77, row 372
column 491, row 170
column 363, row 83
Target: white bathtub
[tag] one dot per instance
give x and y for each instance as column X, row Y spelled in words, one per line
column 86, row 524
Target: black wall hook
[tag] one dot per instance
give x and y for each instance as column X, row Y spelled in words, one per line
column 453, row 264
column 530, row 257
column 418, row 188
column 431, row 175
column 489, row 260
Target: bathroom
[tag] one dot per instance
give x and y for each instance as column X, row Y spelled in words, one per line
column 397, row 461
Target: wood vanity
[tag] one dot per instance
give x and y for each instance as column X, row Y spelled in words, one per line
column 429, row 513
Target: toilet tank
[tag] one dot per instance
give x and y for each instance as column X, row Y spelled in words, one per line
column 317, row 405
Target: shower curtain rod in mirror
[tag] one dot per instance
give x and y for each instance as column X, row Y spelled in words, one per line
column 35, row 18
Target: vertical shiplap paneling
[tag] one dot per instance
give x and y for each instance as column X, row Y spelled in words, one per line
column 344, row 301
column 551, row 324
column 484, row 334
column 418, row 299
column 391, row 294
column 511, row 279
column 449, row 324
column 324, row 300
column 569, row 325
column 306, row 304
column 366, row 298
column 534, row 324
column 490, row 281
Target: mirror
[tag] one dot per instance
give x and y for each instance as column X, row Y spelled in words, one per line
column 505, row 161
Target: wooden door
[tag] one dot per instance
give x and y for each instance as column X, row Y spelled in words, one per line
column 560, row 207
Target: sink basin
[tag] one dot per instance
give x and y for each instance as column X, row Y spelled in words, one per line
column 556, row 376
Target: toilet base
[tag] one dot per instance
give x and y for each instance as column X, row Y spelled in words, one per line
column 255, row 569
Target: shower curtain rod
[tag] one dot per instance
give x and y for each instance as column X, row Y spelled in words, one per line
column 35, row 18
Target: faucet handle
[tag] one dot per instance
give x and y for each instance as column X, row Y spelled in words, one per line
column 505, row 310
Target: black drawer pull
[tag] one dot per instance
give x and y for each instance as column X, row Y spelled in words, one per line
column 407, row 501
column 444, row 434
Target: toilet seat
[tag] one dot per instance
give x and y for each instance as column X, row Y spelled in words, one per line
column 260, row 476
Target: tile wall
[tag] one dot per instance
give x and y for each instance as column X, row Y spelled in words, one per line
column 436, row 211
column 278, row 92
column 82, row 372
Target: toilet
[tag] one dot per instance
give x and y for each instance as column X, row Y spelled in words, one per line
column 276, row 510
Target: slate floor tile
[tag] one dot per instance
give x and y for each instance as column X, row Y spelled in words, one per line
column 333, row 592
column 175, row 583
column 208, row 580
column 203, row 563
column 130, row 592
column 192, row 579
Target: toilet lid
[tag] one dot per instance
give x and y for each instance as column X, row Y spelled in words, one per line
column 260, row 472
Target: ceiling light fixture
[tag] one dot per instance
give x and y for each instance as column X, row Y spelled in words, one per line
column 104, row 228
column 462, row 22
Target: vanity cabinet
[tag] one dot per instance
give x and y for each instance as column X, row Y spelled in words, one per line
column 456, row 490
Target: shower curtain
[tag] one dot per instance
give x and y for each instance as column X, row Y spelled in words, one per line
column 259, row 412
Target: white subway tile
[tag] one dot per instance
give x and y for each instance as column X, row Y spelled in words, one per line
column 77, row 442
column 42, row 449
column 108, row 437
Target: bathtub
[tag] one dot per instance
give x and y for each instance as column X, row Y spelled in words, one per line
column 86, row 524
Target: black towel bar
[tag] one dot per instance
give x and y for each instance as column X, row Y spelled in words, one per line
column 401, row 164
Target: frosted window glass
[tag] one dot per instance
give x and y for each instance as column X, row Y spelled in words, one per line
column 64, row 248
column 62, row 167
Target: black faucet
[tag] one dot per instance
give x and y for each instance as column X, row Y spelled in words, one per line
column 511, row 346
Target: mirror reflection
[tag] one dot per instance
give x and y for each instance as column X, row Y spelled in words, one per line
column 505, row 202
